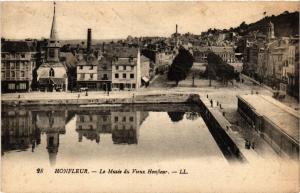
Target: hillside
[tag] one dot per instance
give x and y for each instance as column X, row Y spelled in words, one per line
column 285, row 24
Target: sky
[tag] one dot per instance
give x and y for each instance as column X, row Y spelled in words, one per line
column 113, row 20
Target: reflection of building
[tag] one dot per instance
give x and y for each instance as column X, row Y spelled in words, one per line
column 53, row 124
column 18, row 131
column 52, row 74
column 90, row 125
column 123, row 126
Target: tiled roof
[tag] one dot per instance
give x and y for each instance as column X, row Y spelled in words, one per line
column 123, row 52
column 18, row 46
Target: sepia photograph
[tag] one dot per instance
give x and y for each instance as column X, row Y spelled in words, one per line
column 150, row 96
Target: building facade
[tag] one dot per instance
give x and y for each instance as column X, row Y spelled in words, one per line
column 226, row 53
column 126, row 69
column 18, row 59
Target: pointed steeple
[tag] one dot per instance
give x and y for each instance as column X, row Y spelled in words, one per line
column 53, row 33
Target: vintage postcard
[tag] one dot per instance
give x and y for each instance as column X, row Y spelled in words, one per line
column 150, row 96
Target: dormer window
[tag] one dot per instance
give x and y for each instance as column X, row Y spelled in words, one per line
column 51, row 72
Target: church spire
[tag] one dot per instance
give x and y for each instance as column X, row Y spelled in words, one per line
column 53, row 34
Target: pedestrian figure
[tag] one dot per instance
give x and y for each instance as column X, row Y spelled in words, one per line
column 247, row 144
column 33, row 146
column 217, row 103
column 211, row 102
column 207, row 96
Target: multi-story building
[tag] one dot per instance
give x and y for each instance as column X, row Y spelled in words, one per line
column 276, row 60
column 163, row 61
column 126, row 69
column 105, row 72
column 18, row 59
column 87, row 73
column 226, row 53
column 52, row 74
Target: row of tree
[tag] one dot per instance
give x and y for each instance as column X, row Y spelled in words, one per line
column 217, row 68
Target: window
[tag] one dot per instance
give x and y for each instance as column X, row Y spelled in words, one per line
column 131, row 75
column 91, row 127
column 22, row 64
column 104, row 67
column 117, row 67
column 82, row 76
column 124, row 119
column 91, row 76
column 127, row 85
column 80, row 127
column 22, row 74
column 11, row 86
column 80, row 67
column 13, row 74
column 3, row 55
column 91, row 67
column 124, row 127
column 23, row 86
column 12, row 65
column 124, row 67
column 104, row 118
column 132, row 67
column 131, row 119
column 22, row 55
column 91, row 118
column 51, row 53
column 116, row 119
column 133, row 85
column 124, row 75
column 17, row 64
column 81, row 118
column 104, row 77
column 2, row 75
column 116, row 75
column 51, row 72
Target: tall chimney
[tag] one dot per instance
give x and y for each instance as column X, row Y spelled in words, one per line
column 89, row 39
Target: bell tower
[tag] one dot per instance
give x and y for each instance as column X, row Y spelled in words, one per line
column 53, row 43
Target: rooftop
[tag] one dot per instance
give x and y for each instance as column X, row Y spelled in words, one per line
column 286, row 118
column 18, row 46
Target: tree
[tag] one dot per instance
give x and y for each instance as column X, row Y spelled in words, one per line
column 216, row 66
column 180, row 66
column 176, row 116
column 192, row 115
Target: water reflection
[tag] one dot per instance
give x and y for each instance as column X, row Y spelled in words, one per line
column 123, row 126
column 22, row 129
column 52, row 130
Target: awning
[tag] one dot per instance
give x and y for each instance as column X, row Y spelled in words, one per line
column 55, row 81
column 145, row 79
